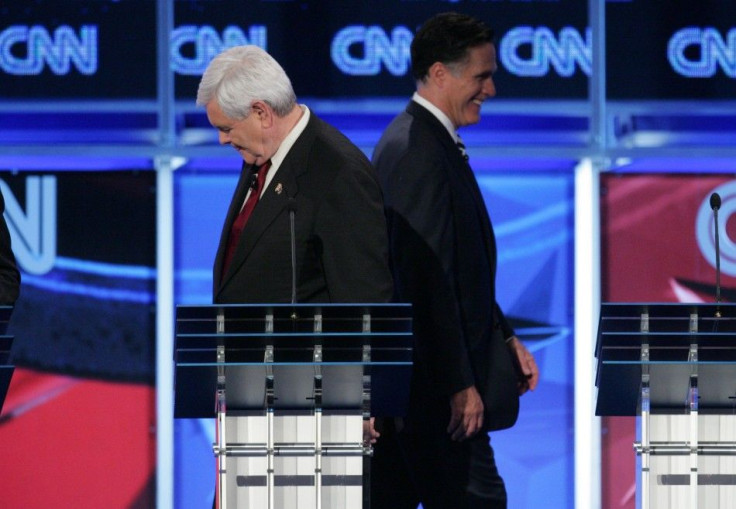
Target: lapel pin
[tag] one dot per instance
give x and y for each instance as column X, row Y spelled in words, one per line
column 279, row 188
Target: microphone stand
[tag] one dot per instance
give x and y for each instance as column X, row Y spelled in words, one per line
column 715, row 204
column 292, row 213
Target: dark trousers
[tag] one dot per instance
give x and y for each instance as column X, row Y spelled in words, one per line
column 423, row 465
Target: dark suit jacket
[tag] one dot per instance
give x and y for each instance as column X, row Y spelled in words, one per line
column 9, row 275
column 443, row 257
column 341, row 244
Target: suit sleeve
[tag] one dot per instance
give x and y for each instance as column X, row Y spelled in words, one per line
column 423, row 244
column 506, row 327
column 9, row 275
column 352, row 229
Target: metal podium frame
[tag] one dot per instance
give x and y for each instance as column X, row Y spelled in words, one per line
column 6, row 343
column 679, row 360
column 260, row 362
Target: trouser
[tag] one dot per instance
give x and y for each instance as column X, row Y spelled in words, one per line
column 422, row 464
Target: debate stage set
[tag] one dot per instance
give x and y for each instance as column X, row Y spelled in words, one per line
column 613, row 127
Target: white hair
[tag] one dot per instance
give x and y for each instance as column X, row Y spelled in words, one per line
column 243, row 74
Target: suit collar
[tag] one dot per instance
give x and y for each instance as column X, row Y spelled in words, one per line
column 422, row 114
column 273, row 202
column 235, row 204
column 291, row 138
column 460, row 169
column 437, row 113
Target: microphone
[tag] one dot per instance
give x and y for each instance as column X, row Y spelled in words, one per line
column 715, row 204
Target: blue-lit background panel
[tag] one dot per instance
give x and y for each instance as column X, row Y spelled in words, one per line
column 532, row 215
column 358, row 48
column 533, row 223
column 683, row 49
column 84, row 49
column 201, row 201
column 83, row 389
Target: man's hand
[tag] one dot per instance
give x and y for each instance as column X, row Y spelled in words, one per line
column 467, row 414
column 529, row 369
column 370, row 435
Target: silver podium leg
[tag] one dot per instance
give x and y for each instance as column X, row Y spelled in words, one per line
column 221, row 416
column 270, row 445
column 317, row 357
column 693, row 417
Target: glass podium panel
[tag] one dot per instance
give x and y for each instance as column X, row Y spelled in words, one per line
column 291, row 387
column 674, row 367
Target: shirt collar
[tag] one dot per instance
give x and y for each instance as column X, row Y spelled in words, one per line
column 434, row 110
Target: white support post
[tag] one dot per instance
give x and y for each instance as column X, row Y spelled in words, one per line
column 587, row 307
column 164, row 333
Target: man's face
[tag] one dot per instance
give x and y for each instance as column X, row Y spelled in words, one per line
column 245, row 136
column 470, row 85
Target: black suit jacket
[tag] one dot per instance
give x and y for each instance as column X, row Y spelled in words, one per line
column 443, row 257
column 9, row 275
column 341, row 243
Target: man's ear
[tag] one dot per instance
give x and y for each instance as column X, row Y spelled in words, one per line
column 437, row 73
column 263, row 112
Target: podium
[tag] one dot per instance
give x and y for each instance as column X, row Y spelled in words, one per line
column 6, row 342
column 291, row 387
column 674, row 366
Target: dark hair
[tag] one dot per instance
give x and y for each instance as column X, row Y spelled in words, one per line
column 446, row 38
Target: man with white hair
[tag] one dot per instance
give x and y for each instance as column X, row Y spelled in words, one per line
column 306, row 221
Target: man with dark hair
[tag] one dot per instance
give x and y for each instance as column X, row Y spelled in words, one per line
column 469, row 366
column 9, row 275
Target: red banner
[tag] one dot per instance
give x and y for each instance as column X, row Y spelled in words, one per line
column 658, row 245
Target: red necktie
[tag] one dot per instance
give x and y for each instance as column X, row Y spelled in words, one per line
column 245, row 212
